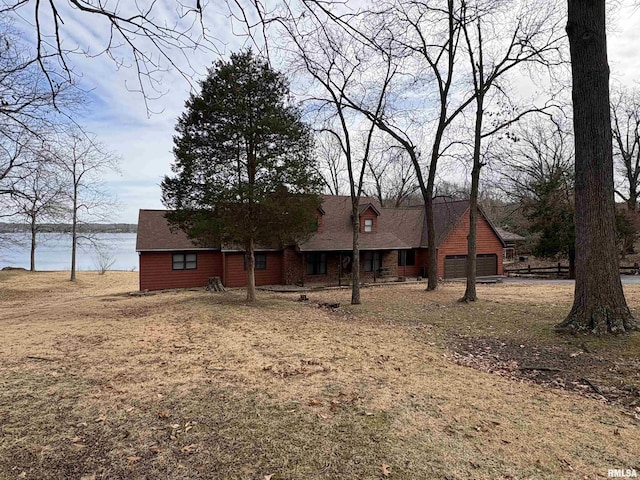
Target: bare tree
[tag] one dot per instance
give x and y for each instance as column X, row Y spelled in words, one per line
column 625, row 116
column 408, row 44
column 144, row 35
column 335, row 67
column 428, row 35
column 392, row 174
column 331, row 167
column 27, row 111
column 104, row 260
column 27, row 95
column 534, row 151
column 534, row 37
column 535, row 168
column 599, row 305
column 40, row 199
column 15, row 162
column 84, row 162
column 452, row 190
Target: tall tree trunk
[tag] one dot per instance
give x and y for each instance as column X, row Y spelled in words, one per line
column 251, row 272
column 599, row 304
column 355, row 264
column 470, row 294
column 432, row 252
column 34, row 229
column 427, row 197
column 74, row 233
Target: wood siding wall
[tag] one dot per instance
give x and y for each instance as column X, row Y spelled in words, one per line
column 156, row 270
column 236, row 275
column 456, row 242
column 368, row 213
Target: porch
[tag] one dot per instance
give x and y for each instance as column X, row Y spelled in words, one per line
column 326, row 268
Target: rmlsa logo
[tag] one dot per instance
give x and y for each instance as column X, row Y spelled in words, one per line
column 622, row 473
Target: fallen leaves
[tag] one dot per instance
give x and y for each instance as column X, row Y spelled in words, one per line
column 188, row 448
column 178, row 429
column 306, row 369
column 385, row 470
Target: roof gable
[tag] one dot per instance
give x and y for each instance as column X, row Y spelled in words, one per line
column 446, row 215
column 368, row 206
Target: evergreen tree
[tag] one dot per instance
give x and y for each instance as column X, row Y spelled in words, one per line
column 550, row 209
column 244, row 174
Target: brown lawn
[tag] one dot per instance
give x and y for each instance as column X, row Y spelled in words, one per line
column 98, row 384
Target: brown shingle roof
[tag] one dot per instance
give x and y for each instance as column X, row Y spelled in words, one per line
column 336, row 232
column 509, row 236
column 154, row 234
column 397, row 228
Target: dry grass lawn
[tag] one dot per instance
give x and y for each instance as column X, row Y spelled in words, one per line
column 97, row 384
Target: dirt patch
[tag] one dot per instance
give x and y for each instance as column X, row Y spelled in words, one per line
column 605, row 376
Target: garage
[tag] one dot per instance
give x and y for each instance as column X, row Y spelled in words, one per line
column 455, row 265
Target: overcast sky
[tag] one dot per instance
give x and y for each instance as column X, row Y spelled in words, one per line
column 120, row 119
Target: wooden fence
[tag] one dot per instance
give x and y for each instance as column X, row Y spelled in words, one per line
column 559, row 271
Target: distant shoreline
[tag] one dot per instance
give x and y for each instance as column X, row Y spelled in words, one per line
column 66, row 228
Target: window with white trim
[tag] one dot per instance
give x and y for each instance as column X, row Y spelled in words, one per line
column 368, row 225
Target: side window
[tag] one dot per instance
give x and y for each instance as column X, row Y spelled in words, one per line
column 190, row 261
column 260, row 261
column 316, row 264
column 406, row 257
column 178, row 261
column 184, row 261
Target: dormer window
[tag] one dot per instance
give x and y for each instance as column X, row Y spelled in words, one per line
column 368, row 225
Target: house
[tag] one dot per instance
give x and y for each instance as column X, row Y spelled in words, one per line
column 393, row 244
column 512, row 241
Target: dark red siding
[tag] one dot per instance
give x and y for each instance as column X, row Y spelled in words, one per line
column 369, row 214
column 156, row 271
column 414, row 270
column 456, row 242
column 236, row 275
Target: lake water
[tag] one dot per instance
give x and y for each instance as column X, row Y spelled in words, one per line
column 54, row 251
